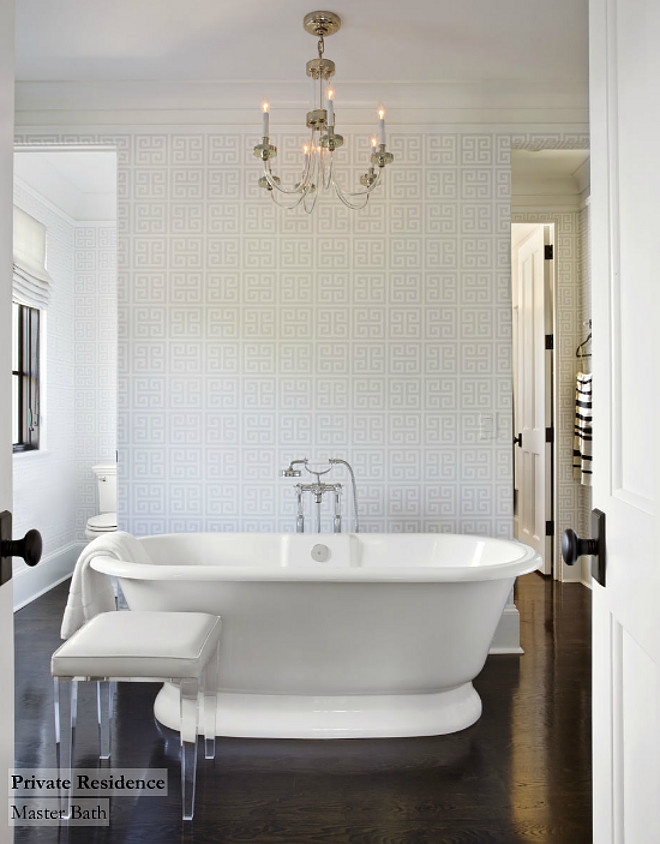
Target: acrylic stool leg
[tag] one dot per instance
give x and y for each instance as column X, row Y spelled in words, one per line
column 210, row 691
column 66, row 711
column 189, row 700
column 104, row 711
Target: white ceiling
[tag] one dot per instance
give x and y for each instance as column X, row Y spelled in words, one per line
column 429, row 61
column 82, row 184
column 549, row 172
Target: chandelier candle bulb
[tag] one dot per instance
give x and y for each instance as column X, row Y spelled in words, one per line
column 381, row 126
column 265, row 128
column 330, row 107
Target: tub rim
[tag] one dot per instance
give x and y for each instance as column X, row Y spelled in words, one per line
column 529, row 560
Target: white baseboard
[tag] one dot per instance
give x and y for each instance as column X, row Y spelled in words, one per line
column 507, row 636
column 30, row 583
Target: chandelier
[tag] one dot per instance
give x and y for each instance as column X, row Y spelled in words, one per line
column 318, row 167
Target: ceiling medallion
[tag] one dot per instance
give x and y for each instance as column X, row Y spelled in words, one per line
column 318, row 171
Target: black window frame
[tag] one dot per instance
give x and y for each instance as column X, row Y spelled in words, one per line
column 27, row 372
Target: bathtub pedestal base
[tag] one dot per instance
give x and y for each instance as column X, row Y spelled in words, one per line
column 334, row 716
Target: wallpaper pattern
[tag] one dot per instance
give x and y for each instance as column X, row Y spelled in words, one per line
column 249, row 336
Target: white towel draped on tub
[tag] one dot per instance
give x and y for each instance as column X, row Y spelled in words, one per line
column 91, row 592
column 582, row 444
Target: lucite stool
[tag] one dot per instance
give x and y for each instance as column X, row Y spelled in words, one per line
column 180, row 647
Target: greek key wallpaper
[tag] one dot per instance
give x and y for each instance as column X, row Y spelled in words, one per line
column 250, row 336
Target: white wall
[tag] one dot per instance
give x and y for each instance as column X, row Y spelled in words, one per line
column 45, row 480
column 95, row 359
column 54, row 487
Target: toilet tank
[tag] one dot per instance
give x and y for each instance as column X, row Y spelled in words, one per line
column 106, row 481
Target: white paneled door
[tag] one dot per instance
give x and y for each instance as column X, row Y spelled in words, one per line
column 532, row 454
column 6, row 178
column 625, row 92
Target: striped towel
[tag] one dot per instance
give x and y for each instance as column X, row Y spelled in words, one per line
column 582, row 444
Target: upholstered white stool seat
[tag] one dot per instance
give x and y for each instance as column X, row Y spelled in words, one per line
column 139, row 644
column 182, row 647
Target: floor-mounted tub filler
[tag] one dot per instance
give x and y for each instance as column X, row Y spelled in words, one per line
column 335, row 635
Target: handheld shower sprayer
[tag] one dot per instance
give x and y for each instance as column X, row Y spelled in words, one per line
column 335, row 460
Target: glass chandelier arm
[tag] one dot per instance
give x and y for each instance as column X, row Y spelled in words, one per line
column 308, row 173
column 270, row 178
column 308, row 170
column 328, row 172
column 370, row 188
column 310, row 206
column 362, row 196
column 287, row 205
column 354, row 206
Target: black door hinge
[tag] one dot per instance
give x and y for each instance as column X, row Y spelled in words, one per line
column 549, row 435
column 549, row 342
column 549, row 528
column 548, row 252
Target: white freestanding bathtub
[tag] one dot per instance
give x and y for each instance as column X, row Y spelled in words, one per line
column 335, row 635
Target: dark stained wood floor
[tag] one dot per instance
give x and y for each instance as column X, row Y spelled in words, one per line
column 522, row 773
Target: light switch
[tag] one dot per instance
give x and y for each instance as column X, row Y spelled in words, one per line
column 486, row 426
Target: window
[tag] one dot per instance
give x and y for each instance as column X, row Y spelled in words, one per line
column 25, row 377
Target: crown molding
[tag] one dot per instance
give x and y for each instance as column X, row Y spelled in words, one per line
column 238, row 103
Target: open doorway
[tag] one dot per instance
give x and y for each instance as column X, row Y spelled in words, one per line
column 532, row 334
column 70, row 195
column 550, row 204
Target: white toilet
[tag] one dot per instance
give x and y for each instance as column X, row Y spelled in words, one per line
column 106, row 520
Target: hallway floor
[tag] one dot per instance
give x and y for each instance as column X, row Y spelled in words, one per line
column 522, row 773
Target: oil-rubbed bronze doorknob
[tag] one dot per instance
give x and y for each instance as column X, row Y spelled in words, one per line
column 29, row 548
column 573, row 547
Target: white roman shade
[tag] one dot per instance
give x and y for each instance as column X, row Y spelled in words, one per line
column 31, row 282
